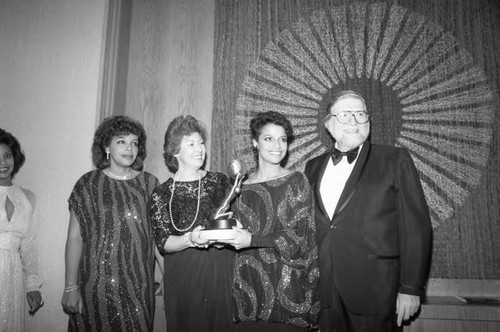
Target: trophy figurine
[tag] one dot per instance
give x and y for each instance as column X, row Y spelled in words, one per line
column 221, row 227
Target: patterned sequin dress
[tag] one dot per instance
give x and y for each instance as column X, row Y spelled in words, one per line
column 275, row 279
column 197, row 282
column 117, row 265
column 18, row 253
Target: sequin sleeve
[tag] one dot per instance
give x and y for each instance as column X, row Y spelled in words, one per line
column 78, row 196
column 29, row 249
column 295, row 212
column 277, row 281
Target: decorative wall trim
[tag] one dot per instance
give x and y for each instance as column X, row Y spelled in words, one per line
column 114, row 60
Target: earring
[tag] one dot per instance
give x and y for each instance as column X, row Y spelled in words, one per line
column 107, row 155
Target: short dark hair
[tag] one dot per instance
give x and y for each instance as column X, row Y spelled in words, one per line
column 343, row 94
column 264, row 118
column 261, row 120
column 178, row 128
column 114, row 126
column 14, row 146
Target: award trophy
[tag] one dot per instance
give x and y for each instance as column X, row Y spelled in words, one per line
column 221, row 227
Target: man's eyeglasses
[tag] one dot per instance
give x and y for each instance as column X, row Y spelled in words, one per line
column 345, row 116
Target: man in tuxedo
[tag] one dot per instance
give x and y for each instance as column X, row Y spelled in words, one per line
column 373, row 226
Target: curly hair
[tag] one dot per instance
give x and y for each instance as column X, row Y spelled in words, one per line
column 178, row 128
column 114, row 126
column 14, row 146
column 262, row 119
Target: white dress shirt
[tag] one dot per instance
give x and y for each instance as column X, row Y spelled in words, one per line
column 333, row 182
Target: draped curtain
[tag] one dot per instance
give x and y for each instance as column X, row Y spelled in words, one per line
column 429, row 70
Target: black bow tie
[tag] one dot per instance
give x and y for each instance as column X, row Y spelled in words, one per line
column 337, row 155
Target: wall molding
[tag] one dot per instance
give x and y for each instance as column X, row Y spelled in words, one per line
column 114, row 59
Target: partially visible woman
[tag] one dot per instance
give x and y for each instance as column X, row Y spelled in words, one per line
column 109, row 283
column 276, row 270
column 198, row 276
column 19, row 261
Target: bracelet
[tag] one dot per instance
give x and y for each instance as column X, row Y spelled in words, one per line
column 188, row 241
column 70, row 288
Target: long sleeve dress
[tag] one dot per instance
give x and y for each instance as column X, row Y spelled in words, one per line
column 19, row 261
column 197, row 282
column 275, row 279
column 117, row 265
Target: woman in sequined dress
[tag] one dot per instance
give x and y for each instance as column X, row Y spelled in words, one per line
column 198, row 276
column 109, row 282
column 19, row 261
column 276, row 270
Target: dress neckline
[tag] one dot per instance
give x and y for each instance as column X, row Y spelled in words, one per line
column 171, row 179
column 5, row 189
column 271, row 180
column 119, row 180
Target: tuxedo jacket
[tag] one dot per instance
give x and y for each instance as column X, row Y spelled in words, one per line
column 378, row 242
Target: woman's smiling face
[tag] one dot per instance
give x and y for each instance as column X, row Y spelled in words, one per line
column 6, row 165
column 272, row 144
column 192, row 151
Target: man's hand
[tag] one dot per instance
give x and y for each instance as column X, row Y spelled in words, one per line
column 406, row 306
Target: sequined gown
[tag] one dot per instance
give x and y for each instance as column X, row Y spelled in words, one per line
column 197, row 282
column 275, row 279
column 117, row 264
column 18, row 253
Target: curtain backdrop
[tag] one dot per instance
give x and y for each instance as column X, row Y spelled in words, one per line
column 429, row 70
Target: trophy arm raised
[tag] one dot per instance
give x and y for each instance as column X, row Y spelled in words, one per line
column 221, row 212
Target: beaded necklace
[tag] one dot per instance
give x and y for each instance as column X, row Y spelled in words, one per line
column 197, row 207
column 119, row 177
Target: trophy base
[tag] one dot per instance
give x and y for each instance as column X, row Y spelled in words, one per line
column 220, row 229
column 217, row 234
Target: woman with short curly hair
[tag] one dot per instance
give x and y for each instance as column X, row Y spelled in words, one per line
column 113, row 127
column 109, row 250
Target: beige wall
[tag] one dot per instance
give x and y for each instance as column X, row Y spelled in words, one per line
column 170, row 68
column 170, row 73
column 49, row 65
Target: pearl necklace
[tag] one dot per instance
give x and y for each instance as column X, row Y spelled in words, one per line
column 120, row 177
column 197, row 207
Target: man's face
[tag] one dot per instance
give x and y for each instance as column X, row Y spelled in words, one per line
column 352, row 134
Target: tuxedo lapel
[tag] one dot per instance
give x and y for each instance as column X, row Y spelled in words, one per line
column 352, row 181
column 319, row 169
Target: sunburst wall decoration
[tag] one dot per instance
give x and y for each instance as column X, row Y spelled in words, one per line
column 425, row 91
